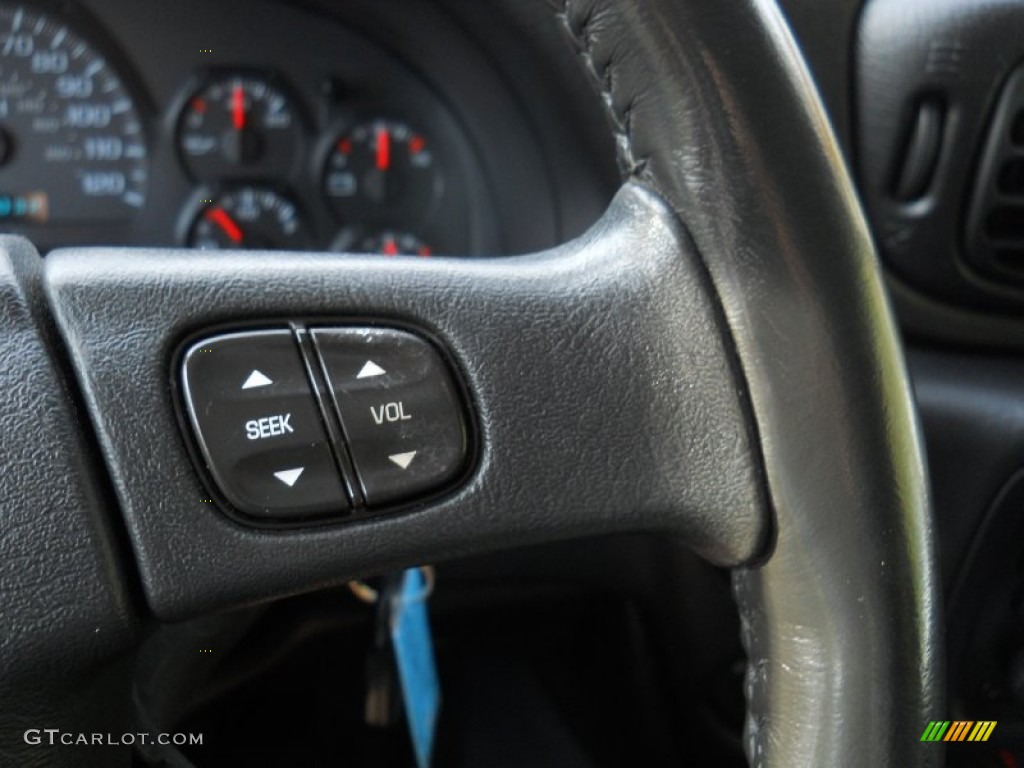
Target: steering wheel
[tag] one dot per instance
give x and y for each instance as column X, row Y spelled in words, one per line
column 714, row 360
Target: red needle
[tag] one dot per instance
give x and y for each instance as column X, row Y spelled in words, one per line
column 238, row 107
column 390, row 247
column 383, row 149
column 220, row 217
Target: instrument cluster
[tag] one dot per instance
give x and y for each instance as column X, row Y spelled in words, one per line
column 241, row 135
column 338, row 149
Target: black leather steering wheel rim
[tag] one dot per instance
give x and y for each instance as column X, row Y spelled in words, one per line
column 841, row 624
column 714, row 112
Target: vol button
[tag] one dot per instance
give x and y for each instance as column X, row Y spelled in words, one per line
column 399, row 408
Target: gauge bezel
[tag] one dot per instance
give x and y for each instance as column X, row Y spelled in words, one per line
column 389, row 217
column 207, row 195
column 204, row 78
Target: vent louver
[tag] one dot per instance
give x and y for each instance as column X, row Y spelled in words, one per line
column 995, row 221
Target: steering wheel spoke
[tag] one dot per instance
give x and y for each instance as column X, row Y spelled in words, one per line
column 604, row 395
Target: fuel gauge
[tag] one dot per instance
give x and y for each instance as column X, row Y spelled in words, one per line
column 239, row 126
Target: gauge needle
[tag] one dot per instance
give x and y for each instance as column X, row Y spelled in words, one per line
column 220, row 217
column 383, row 149
column 390, row 247
column 238, row 107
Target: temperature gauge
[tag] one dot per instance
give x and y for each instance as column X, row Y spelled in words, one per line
column 382, row 168
column 239, row 126
column 249, row 218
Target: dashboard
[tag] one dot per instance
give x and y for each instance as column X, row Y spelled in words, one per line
column 253, row 124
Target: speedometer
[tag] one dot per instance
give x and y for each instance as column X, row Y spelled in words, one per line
column 72, row 149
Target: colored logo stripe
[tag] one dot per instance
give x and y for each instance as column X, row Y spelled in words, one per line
column 958, row 730
column 982, row 730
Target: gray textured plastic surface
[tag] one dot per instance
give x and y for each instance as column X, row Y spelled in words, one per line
column 66, row 619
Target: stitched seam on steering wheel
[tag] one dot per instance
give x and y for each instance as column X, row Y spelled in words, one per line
column 580, row 34
column 632, row 167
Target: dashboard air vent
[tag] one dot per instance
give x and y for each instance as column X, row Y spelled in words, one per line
column 995, row 221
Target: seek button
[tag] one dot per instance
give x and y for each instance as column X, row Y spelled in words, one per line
column 258, row 425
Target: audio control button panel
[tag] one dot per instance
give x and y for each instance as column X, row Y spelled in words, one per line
column 319, row 423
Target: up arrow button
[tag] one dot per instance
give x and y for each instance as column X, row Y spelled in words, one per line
column 369, row 370
column 257, row 379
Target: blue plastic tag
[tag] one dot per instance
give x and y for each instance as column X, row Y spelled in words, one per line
column 417, row 669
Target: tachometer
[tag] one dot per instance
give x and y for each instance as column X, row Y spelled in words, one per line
column 72, row 147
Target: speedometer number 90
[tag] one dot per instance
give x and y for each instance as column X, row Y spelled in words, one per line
column 72, row 148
